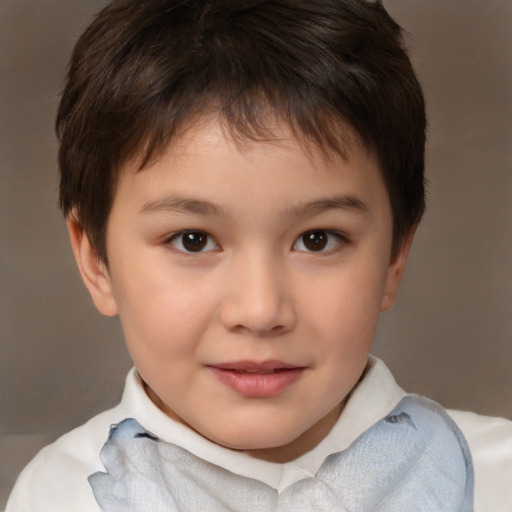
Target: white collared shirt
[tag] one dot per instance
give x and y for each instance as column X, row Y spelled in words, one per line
column 56, row 480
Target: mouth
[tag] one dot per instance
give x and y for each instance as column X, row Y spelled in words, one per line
column 257, row 379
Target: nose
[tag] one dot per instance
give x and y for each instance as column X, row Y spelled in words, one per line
column 258, row 297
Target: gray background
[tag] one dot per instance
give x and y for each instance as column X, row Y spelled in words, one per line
column 449, row 336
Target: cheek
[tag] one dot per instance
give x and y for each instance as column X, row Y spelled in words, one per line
column 347, row 302
column 162, row 316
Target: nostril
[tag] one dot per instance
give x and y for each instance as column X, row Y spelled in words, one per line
column 259, row 332
column 258, row 323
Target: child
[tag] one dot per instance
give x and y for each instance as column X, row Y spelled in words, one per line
column 242, row 180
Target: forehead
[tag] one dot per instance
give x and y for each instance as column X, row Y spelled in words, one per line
column 208, row 159
column 269, row 127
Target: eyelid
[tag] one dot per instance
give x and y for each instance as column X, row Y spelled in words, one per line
column 341, row 240
column 179, row 236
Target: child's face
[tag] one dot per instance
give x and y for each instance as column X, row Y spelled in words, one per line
column 248, row 282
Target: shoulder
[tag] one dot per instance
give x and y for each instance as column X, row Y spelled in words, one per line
column 56, row 479
column 490, row 442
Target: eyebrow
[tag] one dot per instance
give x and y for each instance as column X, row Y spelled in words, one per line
column 182, row 205
column 345, row 202
column 206, row 208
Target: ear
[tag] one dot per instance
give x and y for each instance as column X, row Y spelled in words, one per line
column 93, row 270
column 395, row 272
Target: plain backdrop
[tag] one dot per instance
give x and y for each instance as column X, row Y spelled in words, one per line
column 449, row 335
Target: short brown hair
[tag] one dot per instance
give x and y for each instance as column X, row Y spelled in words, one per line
column 144, row 68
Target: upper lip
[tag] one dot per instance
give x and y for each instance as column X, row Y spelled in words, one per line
column 255, row 366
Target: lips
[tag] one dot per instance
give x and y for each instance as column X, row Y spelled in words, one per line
column 257, row 379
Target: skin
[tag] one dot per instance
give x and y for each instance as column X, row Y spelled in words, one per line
column 256, row 291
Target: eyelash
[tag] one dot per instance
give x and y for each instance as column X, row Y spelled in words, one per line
column 324, row 240
column 327, row 241
column 180, row 239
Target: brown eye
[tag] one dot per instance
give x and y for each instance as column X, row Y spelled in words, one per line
column 193, row 241
column 319, row 240
column 315, row 240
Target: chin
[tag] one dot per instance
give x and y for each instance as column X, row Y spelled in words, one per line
column 260, row 443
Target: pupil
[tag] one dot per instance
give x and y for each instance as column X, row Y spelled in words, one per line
column 315, row 240
column 194, row 242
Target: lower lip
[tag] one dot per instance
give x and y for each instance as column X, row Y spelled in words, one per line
column 258, row 385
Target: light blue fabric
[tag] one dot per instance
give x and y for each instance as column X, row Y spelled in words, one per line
column 414, row 460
